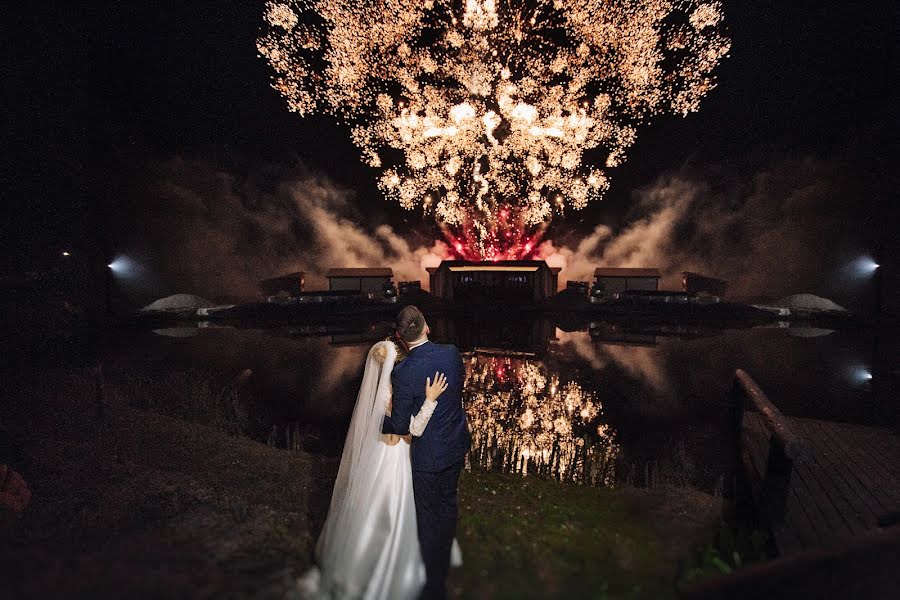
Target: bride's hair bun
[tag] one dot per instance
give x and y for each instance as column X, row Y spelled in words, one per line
column 379, row 352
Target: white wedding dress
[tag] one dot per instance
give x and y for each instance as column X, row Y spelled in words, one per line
column 369, row 546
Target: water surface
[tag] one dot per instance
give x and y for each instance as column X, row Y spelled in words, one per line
column 599, row 403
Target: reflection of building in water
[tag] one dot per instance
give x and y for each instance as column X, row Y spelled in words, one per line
column 525, row 419
column 472, row 331
column 613, row 333
column 506, row 281
column 637, row 333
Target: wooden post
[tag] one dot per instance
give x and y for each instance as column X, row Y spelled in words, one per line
column 734, row 403
column 776, row 481
column 785, row 447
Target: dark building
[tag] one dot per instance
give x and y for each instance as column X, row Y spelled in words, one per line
column 286, row 285
column 411, row 291
column 613, row 279
column 575, row 293
column 366, row 279
column 578, row 288
column 506, row 281
column 409, row 287
column 694, row 283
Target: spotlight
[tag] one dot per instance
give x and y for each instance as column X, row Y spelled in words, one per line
column 861, row 374
column 864, row 266
column 122, row 266
column 66, row 253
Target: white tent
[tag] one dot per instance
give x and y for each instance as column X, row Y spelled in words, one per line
column 809, row 303
column 181, row 304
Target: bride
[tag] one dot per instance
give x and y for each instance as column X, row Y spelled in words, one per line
column 369, row 546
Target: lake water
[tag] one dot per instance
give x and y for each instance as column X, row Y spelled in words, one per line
column 593, row 403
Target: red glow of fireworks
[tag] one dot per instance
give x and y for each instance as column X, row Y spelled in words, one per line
column 507, row 239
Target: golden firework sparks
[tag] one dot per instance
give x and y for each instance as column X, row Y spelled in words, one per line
column 494, row 104
column 524, row 419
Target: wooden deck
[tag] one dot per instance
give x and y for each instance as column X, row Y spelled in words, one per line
column 846, row 483
column 828, row 492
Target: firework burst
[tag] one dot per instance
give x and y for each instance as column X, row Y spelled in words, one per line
column 493, row 116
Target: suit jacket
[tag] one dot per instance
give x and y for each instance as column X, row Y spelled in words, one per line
column 446, row 439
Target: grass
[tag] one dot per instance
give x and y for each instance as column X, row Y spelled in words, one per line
column 130, row 502
column 530, row 538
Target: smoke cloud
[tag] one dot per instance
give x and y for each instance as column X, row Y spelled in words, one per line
column 203, row 230
column 784, row 232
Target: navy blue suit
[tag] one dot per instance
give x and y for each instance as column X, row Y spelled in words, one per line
column 437, row 455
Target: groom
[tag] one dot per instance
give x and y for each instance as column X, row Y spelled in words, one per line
column 437, row 455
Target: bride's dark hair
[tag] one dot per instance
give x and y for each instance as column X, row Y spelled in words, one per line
column 401, row 343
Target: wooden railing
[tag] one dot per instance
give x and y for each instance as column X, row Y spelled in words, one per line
column 790, row 445
column 785, row 446
column 829, row 544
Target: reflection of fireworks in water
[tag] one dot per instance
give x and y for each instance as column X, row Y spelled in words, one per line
column 492, row 105
column 524, row 420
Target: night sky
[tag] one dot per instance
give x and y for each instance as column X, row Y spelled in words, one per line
column 94, row 93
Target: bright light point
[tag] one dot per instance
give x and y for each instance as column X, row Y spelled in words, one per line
column 864, row 266
column 66, row 253
column 860, row 374
column 122, row 266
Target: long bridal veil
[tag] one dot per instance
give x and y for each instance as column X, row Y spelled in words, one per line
column 345, row 539
column 368, row 547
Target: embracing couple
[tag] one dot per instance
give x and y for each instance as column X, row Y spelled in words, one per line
column 392, row 520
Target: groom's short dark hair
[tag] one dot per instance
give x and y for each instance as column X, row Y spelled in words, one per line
column 410, row 323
